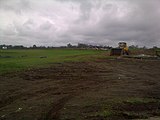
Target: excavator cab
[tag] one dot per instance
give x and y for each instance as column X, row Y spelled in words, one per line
column 123, row 46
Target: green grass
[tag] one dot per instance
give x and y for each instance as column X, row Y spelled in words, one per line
column 13, row 60
column 140, row 100
column 104, row 113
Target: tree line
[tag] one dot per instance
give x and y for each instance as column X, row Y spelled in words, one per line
column 69, row 45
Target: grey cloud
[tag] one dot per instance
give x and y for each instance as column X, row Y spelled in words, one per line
column 17, row 5
column 46, row 26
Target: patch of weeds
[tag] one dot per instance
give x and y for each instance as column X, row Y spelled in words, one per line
column 104, row 113
column 140, row 100
column 132, row 115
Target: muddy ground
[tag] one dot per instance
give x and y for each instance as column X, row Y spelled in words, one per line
column 104, row 89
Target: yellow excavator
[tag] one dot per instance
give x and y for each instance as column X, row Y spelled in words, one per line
column 122, row 49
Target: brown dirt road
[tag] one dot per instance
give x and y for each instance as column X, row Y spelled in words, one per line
column 104, row 89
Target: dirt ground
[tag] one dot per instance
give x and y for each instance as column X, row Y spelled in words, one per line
column 103, row 89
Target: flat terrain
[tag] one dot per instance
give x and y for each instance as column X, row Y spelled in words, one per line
column 102, row 88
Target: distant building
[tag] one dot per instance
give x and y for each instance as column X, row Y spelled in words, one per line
column 4, row 48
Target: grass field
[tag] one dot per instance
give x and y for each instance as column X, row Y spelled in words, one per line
column 21, row 59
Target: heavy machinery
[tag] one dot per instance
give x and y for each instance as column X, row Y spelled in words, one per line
column 122, row 49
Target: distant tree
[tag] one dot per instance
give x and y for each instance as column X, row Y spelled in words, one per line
column 144, row 47
column 18, row 47
column 34, row 46
column 133, row 47
column 155, row 47
column 69, row 45
column 81, row 45
column 12, row 47
column 41, row 47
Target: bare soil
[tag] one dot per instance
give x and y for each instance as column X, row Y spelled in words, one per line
column 103, row 89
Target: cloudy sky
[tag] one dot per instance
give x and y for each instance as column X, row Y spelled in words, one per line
column 59, row 22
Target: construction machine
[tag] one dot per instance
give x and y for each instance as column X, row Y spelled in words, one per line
column 122, row 49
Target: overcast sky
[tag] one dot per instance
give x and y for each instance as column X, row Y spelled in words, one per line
column 59, row 22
